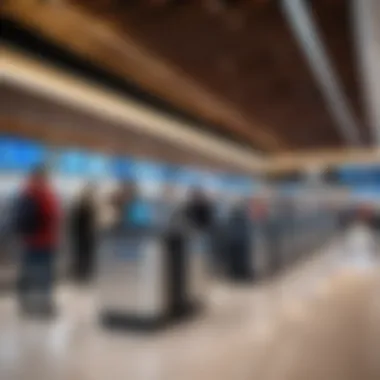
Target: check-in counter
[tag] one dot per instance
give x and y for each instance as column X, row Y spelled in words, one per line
column 145, row 281
column 132, row 284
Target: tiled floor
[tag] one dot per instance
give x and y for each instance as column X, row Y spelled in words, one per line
column 319, row 321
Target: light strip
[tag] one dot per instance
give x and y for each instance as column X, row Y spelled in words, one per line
column 302, row 23
column 366, row 30
column 26, row 72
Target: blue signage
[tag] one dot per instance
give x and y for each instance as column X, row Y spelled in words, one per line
column 20, row 155
column 171, row 173
column 238, row 184
column 359, row 174
column 189, row 177
column 99, row 166
column 123, row 169
column 72, row 163
column 145, row 171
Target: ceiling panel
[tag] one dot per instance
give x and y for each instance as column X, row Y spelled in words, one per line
column 246, row 53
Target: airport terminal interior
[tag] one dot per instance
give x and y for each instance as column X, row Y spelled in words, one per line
column 189, row 190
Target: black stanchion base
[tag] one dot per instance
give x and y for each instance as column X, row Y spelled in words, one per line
column 242, row 278
column 116, row 320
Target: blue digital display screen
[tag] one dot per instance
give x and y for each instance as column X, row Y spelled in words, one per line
column 72, row 163
column 171, row 173
column 357, row 175
column 99, row 166
column 188, row 177
column 122, row 168
column 144, row 171
column 20, row 155
column 81, row 164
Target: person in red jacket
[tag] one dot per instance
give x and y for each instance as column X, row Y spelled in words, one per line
column 37, row 221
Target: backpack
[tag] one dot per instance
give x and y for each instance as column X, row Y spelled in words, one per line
column 28, row 218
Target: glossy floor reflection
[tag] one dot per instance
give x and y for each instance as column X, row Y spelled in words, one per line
column 319, row 321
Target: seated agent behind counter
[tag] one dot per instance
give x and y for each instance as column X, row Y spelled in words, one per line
column 37, row 224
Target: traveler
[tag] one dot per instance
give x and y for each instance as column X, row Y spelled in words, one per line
column 239, row 245
column 83, row 230
column 37, row 225
column 175, row 243
column 199, row 211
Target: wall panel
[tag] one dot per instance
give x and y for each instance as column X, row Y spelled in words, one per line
column 31, row 115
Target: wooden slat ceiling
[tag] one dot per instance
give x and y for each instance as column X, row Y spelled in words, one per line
column 237, row 66
column 247, row 53
column 100, row 43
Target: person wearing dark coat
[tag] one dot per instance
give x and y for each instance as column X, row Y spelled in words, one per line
column 238, row 242
column 83, row 226
column 199, row 211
